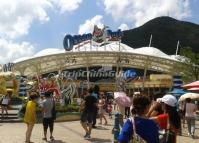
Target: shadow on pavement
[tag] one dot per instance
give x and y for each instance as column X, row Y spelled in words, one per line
column 97, row 140
column 56, row 141
column 185, row 135
column 196, row 137
column 109, row 125
column 101, row 128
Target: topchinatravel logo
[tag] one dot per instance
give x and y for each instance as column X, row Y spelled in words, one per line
column 98, row 37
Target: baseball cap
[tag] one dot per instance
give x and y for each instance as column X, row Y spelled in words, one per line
column 169, row 100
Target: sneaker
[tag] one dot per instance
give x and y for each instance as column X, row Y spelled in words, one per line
column 94, row 127
column 87, row 136
column 52, row 138
column 192, row 135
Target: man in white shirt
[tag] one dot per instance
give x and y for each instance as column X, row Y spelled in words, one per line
column 190, row 109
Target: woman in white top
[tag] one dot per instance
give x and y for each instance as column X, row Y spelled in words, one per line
column 190, row 109
column 5, row 103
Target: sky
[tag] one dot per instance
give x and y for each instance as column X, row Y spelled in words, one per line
column 29, row 26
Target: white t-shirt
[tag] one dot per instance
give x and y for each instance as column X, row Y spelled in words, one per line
column 190, row 109
column 5, row 101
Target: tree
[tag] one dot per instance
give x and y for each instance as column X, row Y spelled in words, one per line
column 191, row 60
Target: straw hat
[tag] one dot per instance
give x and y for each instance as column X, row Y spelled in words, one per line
column 9, row 90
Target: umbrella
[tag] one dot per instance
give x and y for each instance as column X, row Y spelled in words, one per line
column 189, row 95
column 122, row 99
column 191, row 85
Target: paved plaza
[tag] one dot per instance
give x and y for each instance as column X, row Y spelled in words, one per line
column 70, row 132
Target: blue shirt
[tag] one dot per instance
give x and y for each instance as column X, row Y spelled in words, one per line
column 145, row 128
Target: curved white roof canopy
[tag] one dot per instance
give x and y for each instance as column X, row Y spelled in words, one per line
column 112, row 47
column 49, row 60
column 151, row 51
column 49, row 51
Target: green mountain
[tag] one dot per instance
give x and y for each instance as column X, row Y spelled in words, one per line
column 166, row 32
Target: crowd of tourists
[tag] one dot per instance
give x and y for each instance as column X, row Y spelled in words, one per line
column 151, row 121
column 157, row 121
column 93, row 104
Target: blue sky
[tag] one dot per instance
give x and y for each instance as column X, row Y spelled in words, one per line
column 27, row 27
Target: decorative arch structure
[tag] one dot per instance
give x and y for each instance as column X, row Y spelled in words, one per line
column 88, row 56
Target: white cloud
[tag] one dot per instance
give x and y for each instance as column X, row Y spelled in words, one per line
column 140, row 11
column 16, row 16
column 88, row 26
column 11, row 51
column 123, row 27
column 67, row 5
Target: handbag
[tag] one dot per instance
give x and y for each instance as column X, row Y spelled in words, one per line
column 136, row 138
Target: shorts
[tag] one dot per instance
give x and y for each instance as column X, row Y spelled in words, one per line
column 4, row 105
column 101, row 111
column 48, row 122
column 87, row 117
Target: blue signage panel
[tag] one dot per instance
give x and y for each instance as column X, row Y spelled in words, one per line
column 129, row 74
column 70, row 41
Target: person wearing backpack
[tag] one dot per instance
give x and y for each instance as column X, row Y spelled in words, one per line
column 48, row 119
column 139, row 129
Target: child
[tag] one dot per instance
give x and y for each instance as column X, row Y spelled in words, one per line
column 101, row 106
column 109, row 109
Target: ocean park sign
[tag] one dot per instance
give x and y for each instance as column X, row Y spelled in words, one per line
column 99, row 37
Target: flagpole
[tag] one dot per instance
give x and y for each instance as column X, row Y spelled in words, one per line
column 150, row 40
column 177, row 47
